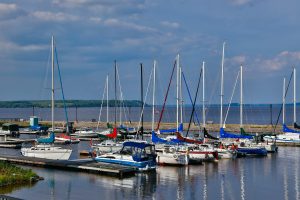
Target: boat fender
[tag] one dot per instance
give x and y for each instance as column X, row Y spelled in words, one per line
column 172, row 150
column 175, row 156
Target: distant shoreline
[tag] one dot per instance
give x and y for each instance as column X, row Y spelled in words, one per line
column 70, row 103
column 111, row 103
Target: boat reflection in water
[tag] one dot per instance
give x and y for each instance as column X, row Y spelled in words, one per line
column 275, row 176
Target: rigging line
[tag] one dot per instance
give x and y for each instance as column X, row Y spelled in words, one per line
column 121, row 96
column 195, row 99
column 144, row 103
column 100, row 111
column 280, row 111
column 47, row 71
column 166, row 97
column 236, row 80
column 62, row 91
column 190, row 96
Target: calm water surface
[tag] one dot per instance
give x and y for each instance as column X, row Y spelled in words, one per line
column 273, row 177
column 252, row 114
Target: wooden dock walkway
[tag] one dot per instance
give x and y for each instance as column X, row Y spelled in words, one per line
column 83, row 165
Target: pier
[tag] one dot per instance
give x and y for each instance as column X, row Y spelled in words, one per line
column 84, row 165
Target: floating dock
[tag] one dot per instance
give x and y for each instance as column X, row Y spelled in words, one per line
column 14, row 143
column 288, row 144
column 83, row 165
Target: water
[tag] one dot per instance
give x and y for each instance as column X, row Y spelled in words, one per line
column 273, row 177
column 253, row 114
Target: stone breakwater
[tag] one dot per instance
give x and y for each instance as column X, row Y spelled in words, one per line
column 251, row 128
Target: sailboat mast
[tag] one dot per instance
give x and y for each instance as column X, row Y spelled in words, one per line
column 222, row 89
column 241, row 103
column 107, row 99
column 153, row 94
column 142, row 101
column 203, row 94
column 180, row 94
column 115, row 93
column 52, row 89
column 177, row 94
column 283, row 102
column 295, row 120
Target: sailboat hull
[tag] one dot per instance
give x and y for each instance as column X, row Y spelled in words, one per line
column 47, row 152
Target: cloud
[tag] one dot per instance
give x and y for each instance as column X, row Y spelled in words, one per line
column 10, row 46
column 244, row 2
column 95, row 19
column 10, row 11
column 113, row 22
column 51, row 16
column 105, row 7
column 170, row 24
column 237, row 60
column 282, row 60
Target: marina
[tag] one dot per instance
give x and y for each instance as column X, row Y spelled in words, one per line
column 228, row 179
column 150, row 100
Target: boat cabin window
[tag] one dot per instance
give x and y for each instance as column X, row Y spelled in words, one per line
column 126, row 150
column 150, row 149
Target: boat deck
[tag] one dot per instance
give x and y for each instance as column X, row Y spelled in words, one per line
column 83, row 165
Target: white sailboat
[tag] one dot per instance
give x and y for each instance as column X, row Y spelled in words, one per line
column 169, row 154
column 289, row 135
column 46, row 148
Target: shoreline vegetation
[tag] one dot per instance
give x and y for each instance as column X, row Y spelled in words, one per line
column 111, row 103
column 70, row 103
column 11, row 174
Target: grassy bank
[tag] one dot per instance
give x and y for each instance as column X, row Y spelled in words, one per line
column 11, row 174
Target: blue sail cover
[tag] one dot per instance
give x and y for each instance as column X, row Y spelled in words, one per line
column 285, row 129
column 38, row 128
column 224, row 134
column 47, row 140
column 126, row 128
column 156, row 139
column 180, row 129
column 141, row 145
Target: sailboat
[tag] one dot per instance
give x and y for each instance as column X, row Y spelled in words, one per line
column 167, row 149
column 136, row 153
column 45, row 148
column 197, row 151
column 223, row 133
column 245, row 147
column 289, row 135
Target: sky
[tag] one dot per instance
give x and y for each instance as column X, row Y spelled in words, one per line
column 261, row 35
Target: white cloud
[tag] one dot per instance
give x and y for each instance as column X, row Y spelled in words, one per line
column 95, row 19
column 10, row 11
column 170, row 24
column 10, row 46
column 279, row 62
column 237, row 60
column 240, row 2
column 112, row 22
column 7, row 7
column 51, row 16
column 293, row 55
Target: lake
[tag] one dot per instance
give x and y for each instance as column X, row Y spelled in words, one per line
column 275, row 176
column 253, row 114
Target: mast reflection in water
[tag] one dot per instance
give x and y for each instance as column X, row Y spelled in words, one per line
column 273, row 177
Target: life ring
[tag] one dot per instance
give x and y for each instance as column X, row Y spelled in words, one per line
column 175, row 156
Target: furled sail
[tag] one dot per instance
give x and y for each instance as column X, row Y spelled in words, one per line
column 224, row 134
